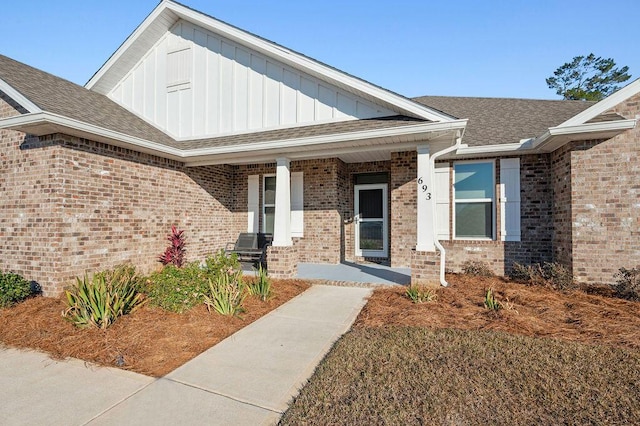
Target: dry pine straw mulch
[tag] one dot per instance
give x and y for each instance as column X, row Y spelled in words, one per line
column 535, row 311
column 149, row 341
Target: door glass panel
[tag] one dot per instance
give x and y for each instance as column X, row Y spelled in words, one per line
column 371, row 237
column 370, row 203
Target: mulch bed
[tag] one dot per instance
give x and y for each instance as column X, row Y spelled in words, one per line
column 149, row 341
column 536, row 311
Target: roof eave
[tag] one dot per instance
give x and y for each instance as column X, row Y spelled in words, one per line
column 558, row 136
column 396, row 138
column 46, row 123
column 549, row 141
column 604, row 105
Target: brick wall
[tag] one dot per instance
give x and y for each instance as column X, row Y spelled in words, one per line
column 536, row 193
column 323, row 241
column 605, row 201
column 404, row 207
column 72, row 206
column 28, row 216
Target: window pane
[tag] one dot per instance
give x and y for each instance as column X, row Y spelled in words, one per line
column 371, row 178
column 474, row 220
column 371, row 236
column 269, row 215
column 473, row 180
column 370, row 203
column 270, row 190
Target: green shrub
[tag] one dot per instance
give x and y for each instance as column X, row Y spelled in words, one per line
column 177, row 289
column 490, row 301
column 261, row 287
column 226, row 294
column 628, row 283
column 180, row 289
column 99, row 301
column 420, row 294
column 219, row 263
column 477, row 268
column 13, row 289
column 550, row 274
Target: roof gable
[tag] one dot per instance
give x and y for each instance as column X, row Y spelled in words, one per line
column 54, row 95
column 168, row 13
column 193, row 84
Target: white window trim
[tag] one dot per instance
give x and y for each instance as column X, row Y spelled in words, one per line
column 475, row 200
column 265, row 205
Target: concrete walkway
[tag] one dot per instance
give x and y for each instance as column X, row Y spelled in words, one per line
column 249, row 378
column 350, row 273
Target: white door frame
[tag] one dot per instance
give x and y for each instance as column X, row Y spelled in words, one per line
column 357, row 219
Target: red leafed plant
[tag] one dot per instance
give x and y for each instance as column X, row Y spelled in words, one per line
column 174, row 254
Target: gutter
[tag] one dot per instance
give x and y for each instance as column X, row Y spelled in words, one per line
column 439, row 246
column 581, row 129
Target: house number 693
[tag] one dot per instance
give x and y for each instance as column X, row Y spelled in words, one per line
column 424, row 188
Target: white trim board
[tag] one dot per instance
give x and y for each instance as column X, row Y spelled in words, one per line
column 604, row 105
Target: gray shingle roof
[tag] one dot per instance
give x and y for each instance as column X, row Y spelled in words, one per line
column 56, row 95
column 304, row 132
column 491, row 120
column 502, row 120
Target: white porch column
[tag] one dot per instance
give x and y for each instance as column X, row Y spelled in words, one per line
column 282, row 219
column 426, row 202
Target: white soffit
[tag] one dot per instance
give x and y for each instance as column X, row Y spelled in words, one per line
column 604, row 105
column 168, row 13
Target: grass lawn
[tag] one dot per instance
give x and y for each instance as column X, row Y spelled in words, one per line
column 553, row 358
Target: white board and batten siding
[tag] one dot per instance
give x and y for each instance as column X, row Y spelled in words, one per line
column 297, row 204
column 193, row 83
column 510, row 199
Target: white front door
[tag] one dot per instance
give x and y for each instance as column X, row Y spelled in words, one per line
column 370, row 218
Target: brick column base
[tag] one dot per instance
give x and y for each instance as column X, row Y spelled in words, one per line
column 282, row 262
column 425, row 268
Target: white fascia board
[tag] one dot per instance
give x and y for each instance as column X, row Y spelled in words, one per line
column 60, row 123
column 571, row 133
column 528, row 146
column 149, row 20
column 18, row 97
column 397, row 132
column 507, row 148
column 604, row 105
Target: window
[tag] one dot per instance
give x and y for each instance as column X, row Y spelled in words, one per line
column 474, row 185
column 269, row 204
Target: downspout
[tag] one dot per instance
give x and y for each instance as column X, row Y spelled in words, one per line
column 439, row 246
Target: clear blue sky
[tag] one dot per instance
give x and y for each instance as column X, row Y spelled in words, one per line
column 457, row 48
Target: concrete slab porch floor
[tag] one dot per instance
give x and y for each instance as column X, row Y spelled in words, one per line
column 355, row 273
column 248, row 378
